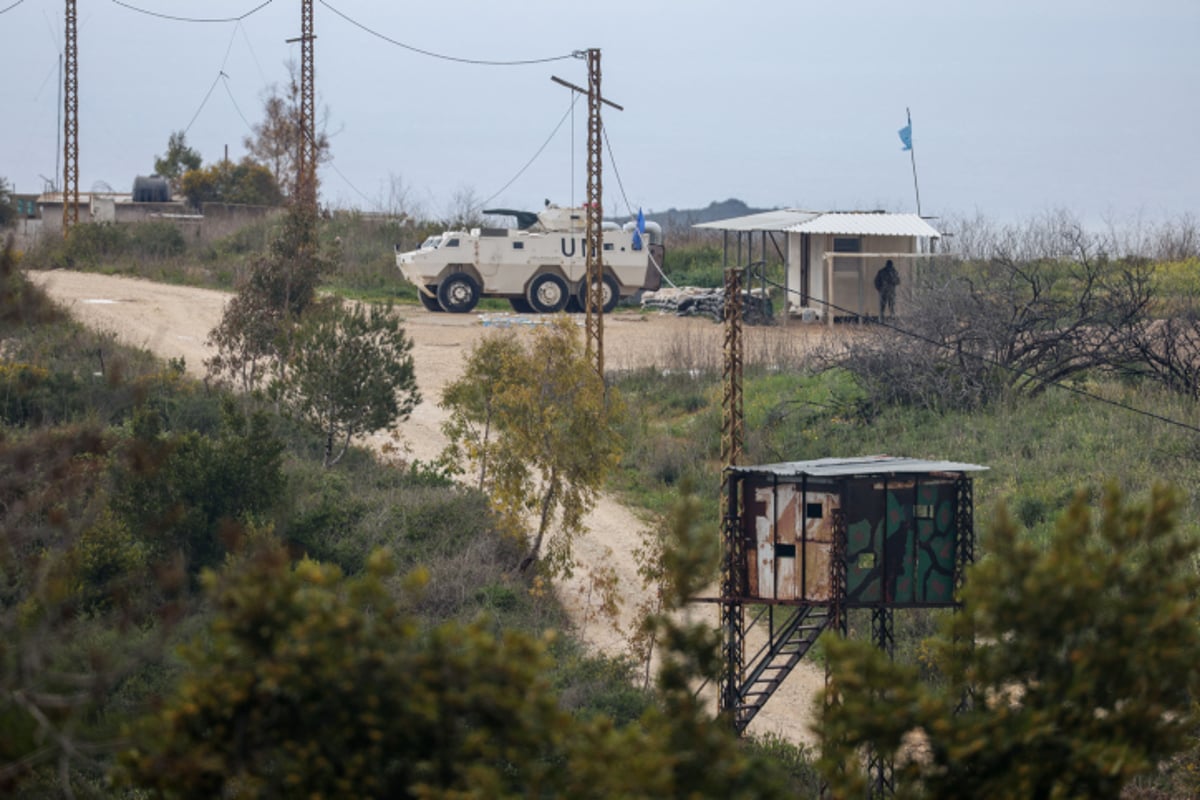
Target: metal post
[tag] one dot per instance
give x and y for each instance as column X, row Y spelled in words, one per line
column 733, row 617
column 306, row 162
column 838, row 621
column 732, row 437
column 70, row 189
column 594, row 212
column 964, row 546
column 880, row 770
column 594, row 306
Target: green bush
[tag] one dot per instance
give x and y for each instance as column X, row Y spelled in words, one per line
column 155, row 240
column 368, row 257
column 88, row 245
column 701, row 265
column 188, row 493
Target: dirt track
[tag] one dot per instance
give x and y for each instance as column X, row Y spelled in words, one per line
column 174, row 322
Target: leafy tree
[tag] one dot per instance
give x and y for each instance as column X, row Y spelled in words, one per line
column 1081, row 665
column 178, row 159
column 536, row 419
column 472, row 401
column 253, row 339
column 244, row 183
column 21, row 302
column 307, row 683
column 82, row 607
column 8, row 211
column 276, row 139
column 706, row 758
column 184, row 490
column 350, row 373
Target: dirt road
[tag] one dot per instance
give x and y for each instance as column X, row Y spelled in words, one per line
column 174, row 321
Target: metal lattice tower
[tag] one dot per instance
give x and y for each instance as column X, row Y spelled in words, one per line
column 881, row 770
column 594, row 235
column 733, row 622
column 733, row 424
column 594, row 211
column 70, row 189
column 306, row 161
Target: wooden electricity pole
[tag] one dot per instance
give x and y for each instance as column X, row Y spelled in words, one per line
column 594, row 211
column 70, row 188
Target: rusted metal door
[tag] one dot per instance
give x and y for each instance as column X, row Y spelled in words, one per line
column 792, row 541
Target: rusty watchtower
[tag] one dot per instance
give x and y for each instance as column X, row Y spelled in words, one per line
column 807, row 541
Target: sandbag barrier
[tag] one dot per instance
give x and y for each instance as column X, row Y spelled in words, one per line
column 757, row 308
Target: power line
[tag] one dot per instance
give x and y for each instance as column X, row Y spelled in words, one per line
column 992, row 362
column 329, row 161
column 432, row 54
column 174, row 18
column 229, row 47
column 574, row 99
column 617, row 172
column 202, row 102
column 10, row 8
column 253, row 54
column 228, row 91
column 370, row 202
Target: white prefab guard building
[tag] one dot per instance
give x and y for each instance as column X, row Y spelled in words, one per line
column 835, row 250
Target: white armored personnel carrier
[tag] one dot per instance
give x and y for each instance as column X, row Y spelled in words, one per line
column 539, row 266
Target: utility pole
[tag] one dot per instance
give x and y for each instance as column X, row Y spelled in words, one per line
column 70, row 189
column 733, row 426
column 306, row 155
column 594, row 211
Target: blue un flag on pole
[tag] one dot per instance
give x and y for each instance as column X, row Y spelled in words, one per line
column 906, row 135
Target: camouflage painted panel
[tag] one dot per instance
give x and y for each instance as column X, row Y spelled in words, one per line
column 900, row 542
column 935, row 542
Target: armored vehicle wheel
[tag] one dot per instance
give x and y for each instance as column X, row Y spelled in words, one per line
column 610, row 294
column 430, row 303
column 458, row 293
column 548, row 294
column 520, row 305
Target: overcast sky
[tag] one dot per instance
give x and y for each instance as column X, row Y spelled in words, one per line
column 1018, row 106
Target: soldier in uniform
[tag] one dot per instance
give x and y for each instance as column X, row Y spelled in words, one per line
column 886, row 281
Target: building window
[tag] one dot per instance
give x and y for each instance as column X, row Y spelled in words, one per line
column 847, row 244
column 518, row 245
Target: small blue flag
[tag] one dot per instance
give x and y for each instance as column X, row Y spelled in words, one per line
column 640, row 231
column 906, row 136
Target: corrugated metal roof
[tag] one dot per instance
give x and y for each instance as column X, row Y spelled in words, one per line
column 778, row 220
column 838, row 223
column 863, row 465
column 862, row 224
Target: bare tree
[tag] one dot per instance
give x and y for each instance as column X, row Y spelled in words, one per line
column 401, row 201
column 276, row 140
column 1046, row 305
column 254, row 336
column 463, row 210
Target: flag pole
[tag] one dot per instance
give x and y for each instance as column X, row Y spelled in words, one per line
column 912, row 152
